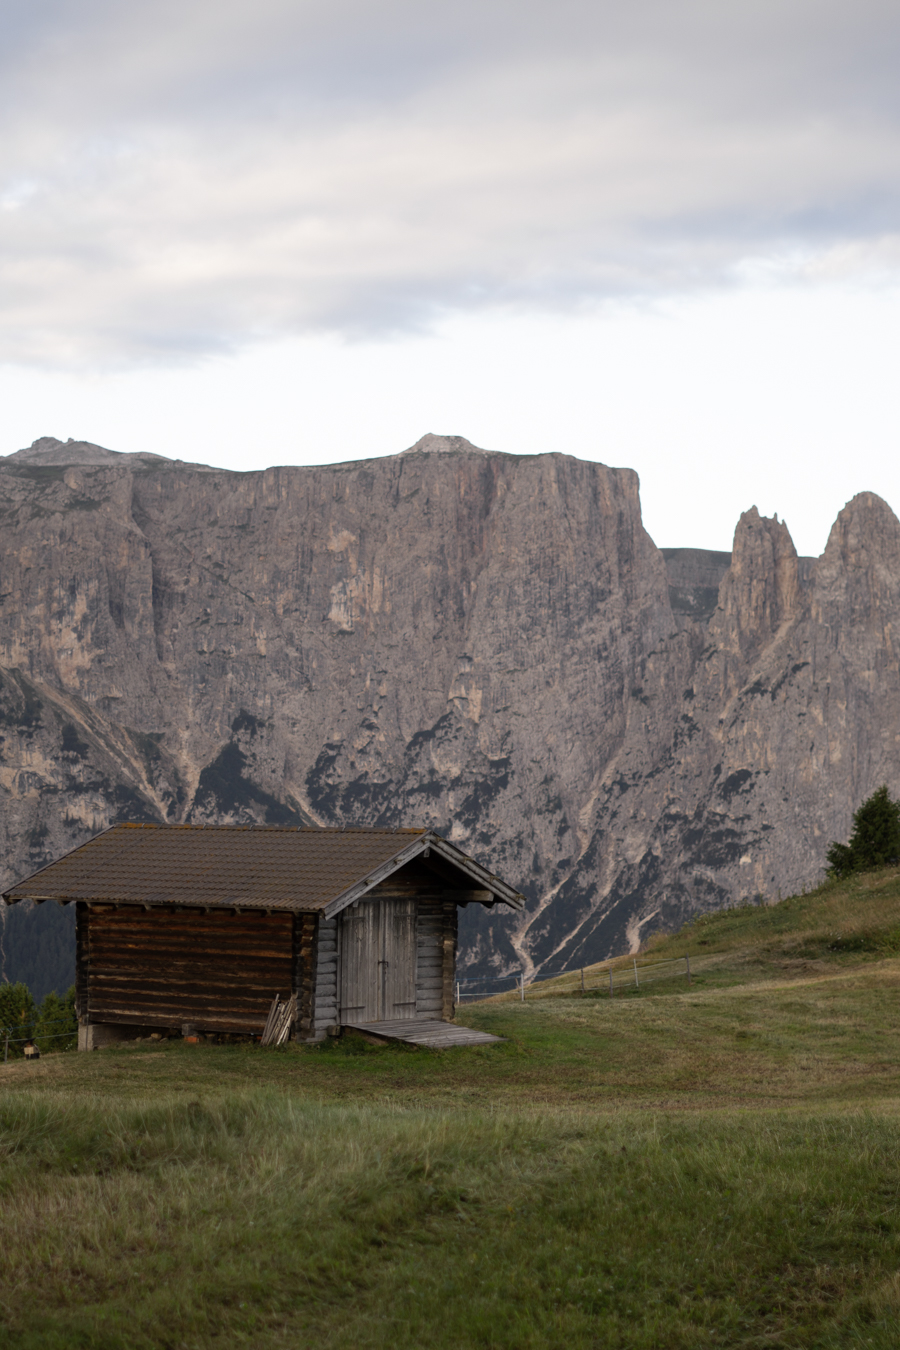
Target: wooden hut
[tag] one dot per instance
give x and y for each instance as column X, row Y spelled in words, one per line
column 207, row 925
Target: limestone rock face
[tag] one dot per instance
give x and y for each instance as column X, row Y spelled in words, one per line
column 486, row 643
column 695, row 575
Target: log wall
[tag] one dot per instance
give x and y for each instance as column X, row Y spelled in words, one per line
column 304, row 971
column 450, row 942
column 163, row 967
column 81, row 959
column 430, row 957
column 325, row 1011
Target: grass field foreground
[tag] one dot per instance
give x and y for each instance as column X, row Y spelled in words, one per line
column 713, row 1166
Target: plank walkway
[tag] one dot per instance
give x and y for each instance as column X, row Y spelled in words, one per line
column 424, row 1031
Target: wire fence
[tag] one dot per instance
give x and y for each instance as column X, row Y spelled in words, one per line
column 604, row 978
column 24, row 1033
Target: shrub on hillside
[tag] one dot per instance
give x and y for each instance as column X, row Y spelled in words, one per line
column 875, row 839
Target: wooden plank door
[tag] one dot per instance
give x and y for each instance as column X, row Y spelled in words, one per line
column 398, row 958
column 378, row 961
column 358, row 1002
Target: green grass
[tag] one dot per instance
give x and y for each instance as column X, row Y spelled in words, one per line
column 703, row 1167
column 860, row 915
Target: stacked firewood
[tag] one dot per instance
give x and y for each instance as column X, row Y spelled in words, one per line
column 280, row 1020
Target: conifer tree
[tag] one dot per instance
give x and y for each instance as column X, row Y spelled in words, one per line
column 875, row 839
column 53, row 1026
column 56, row 1026
column 17, row 1014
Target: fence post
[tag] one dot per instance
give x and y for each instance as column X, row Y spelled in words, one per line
column 688, row 960
column 6, row 1048
column 457, row 992
column 610, row 982
column 634, row 963
column 582, row 979
column 522, row 987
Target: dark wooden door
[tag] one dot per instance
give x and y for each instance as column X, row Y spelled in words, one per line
column 378, row 961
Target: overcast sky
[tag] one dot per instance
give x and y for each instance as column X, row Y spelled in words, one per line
column 662, row 234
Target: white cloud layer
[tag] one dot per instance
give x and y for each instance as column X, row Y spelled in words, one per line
column 181, row 178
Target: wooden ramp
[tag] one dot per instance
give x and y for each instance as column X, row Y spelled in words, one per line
column 424, row 1031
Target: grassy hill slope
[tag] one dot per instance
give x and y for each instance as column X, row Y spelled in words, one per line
column 716, row 1165
column 856, row 917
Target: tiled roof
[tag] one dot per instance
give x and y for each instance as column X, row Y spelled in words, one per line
column 267, row 867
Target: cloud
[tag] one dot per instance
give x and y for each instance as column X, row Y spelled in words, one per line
column 179, row 179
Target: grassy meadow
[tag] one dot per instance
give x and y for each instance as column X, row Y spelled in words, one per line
column 703, row 1166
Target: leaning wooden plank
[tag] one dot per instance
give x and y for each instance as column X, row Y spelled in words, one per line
column 273, row 1013
column 282, row 1023
column 287, row 1020
column 282, row 1020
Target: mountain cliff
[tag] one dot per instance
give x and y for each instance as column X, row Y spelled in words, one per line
column 487, row 643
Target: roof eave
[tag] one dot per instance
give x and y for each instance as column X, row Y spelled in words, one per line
column 173, row 902
column 498, row 889
column 11, row 899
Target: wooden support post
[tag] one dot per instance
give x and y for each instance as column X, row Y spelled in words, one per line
column 6, row 1048
column 634, row 963
column 522, row 987
column 582, row 979
column 457, row 993
column 688, row 961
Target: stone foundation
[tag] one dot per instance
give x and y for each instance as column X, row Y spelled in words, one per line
column 95, row 1035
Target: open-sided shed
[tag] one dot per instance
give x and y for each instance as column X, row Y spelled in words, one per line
column 207, row 925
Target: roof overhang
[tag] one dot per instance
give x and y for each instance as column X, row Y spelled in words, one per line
column 485, row 888
column 9, row 898
column 492, row 887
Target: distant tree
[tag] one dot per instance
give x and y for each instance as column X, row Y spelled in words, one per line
column 875, row 839
column 53, row 1026
column 17, row 1015
column 56, row 1024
